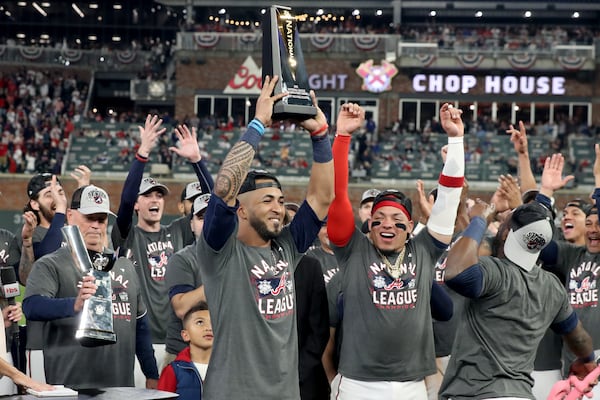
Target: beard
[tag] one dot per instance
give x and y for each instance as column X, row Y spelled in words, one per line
column 262, row 230
column 47, row 213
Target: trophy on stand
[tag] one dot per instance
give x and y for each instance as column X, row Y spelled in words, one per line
column 282, row 56
column 96, row 324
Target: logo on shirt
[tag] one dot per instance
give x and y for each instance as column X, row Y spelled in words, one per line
column 158, row 258
column 393, row 294
column 274, row 289
column 583, row 291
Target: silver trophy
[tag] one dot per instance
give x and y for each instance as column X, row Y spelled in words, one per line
column 96, row 324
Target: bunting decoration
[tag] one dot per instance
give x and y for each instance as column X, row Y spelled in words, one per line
column 522, row 61
column 426, row 59
column 322, row 42
column 31, row 53
column 72, row 55
column 470, row 60
column 366, row 42
column 126, row 56
column 206, row 40
column 248, row 38
column 571, row 63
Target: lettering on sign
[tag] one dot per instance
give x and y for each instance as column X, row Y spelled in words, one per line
column 492, row 84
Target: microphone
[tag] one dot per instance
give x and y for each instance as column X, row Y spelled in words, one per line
column 9, row 285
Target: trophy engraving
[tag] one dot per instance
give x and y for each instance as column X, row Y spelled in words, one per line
column 96, row 323
column 282, row 56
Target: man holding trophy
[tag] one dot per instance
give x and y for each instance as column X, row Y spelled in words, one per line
column 77, row 306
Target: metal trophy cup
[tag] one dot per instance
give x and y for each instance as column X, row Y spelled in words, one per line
column 96, row 324
column 282, row 56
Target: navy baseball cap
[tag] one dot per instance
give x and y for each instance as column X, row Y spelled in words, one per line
column 250, row 183
column 38, row 183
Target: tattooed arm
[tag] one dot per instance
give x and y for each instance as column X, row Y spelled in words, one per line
column 237, row 162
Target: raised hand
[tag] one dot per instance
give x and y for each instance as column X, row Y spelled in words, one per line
column 82, row 174
column 318, row 121
column 188, row 144
column 149, row 134
column 482, row 209
column 509, row 190
column 28, row 227
column 450, row 118
column 597, row 165
column 58, row 195
column 350, row 118
column 265, row 102
column 518, row 138
column 552, row 178
column 425, row 202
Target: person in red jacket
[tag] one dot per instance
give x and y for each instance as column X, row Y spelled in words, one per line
column 186, row 374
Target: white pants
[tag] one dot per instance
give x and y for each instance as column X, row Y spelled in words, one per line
column 343, row 388
column 35, row 365
column 159, row 355
column 543, row 382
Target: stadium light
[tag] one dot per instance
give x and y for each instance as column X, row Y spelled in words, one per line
column 39, row 9
column 527, row 14
column 379, row 13
column 117, row 6
column 575, row 15
column 22, row 4
column 93, row 6
column 77, row 10
column 479, row 14
column 432, row 13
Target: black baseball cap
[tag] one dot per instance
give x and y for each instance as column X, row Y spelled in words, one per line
column 250, row 184
column 38, row 183
column 583, row 205
column 391, row 197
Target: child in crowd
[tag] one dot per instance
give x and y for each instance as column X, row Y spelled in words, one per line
column 186, row 374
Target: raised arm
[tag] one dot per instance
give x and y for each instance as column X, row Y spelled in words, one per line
column 188, row 148
column 443, row 213
column 320, row 189
column 237, row 162
column 149, row 135
column 340, row 224
column 519, row 141
column 27, row 257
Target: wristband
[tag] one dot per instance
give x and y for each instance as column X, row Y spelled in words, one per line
column 321, row 149
column 141, row 158
column 451, row 181
column 476, row 229
column 320, row 130
column 256, row 124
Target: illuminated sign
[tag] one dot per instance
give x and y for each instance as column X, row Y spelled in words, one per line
column 248, row 80
column 492, row 84
column 377, row 78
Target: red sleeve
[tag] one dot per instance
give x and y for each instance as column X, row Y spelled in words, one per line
column 167, row 380
column 340, row 218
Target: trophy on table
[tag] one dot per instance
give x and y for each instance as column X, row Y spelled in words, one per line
column 96, row 324
column 282, row 56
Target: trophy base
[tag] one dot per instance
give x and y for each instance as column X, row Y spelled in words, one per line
column 94, row 338
column 293, row 111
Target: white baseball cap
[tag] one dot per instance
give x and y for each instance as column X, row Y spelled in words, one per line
column 531, row 231
column 148, row 184
column 91, row 199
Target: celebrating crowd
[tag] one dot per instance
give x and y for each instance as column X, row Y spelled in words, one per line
column 245, row 296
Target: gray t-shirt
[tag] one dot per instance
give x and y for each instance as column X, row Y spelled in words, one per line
column 150, row 253
column 387, row 323
column 327, row 260
column 582, row 271
column 250, row 293
column 183, row 270
column 68, row 363
column 499, row 333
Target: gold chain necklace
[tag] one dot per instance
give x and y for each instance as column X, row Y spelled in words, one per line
column 393, row 270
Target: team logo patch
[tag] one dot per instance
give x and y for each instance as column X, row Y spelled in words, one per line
column 534, row 241
column 97, row 196
column 377, row 78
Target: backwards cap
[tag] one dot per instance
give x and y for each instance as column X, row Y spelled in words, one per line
column 250, row 183
column 393, row 198
column 38, row 183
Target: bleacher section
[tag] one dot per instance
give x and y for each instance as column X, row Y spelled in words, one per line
column 490, row 155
